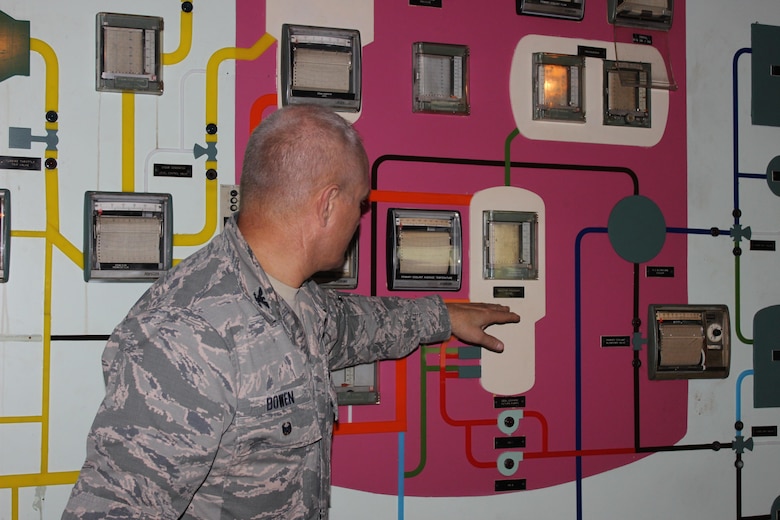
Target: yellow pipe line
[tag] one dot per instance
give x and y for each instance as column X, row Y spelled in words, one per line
column 34, row 479
column 212, row 69
column 185, row 41
column 60, row 242
column 212, row 102
column 128, row 142
column 53, row 235
column 53, row 238
column 21, row 419
column 46, row 358
column 52, row 76
column 63, row 244
column 51, row 100
column 52, row 228
column 28, row 234
column 209, row 227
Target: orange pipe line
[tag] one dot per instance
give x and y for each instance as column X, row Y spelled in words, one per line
column 399, row 424
column 258, row 107
column 543, row 423
column 470, row 456
column 443, row 375
column 413, row 197
column 369, row 427
column 396, row 425
column 468, row 425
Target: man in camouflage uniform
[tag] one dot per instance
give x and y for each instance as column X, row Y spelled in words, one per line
column 219, row 402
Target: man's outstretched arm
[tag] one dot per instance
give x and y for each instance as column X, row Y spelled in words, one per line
column 469, row 321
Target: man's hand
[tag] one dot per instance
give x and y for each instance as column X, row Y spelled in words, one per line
column 469, row 321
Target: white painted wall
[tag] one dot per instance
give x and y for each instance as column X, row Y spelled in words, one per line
column 689, row 485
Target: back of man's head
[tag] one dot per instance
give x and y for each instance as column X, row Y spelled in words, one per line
column 293, row 152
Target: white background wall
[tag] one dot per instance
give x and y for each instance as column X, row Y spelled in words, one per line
column 689, row 485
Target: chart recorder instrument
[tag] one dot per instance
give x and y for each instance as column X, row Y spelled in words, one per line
column 507, row 267
column 688, row 342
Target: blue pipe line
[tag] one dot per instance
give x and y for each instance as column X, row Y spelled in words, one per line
column 578, row 288
column 578, row 343
column 578, row 358
column 761, row 176
column 735, row 123
column 689, row 231
column 401, row 457
column 742, row 376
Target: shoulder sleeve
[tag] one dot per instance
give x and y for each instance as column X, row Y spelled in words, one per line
column 362, row 329
column 169, row 397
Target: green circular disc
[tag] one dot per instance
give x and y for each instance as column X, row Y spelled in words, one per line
column 637, row 229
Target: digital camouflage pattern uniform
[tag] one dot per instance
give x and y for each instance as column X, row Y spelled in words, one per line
column 218, row 404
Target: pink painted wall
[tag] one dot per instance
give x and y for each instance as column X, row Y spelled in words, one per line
column 455, row 435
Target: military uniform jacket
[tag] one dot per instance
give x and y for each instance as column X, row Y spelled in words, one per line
column 218, row 403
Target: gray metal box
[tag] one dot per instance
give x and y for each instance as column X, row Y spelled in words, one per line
column 766, row 357
column 765, row 75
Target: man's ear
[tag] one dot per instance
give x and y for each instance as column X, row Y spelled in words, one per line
column 326, row 203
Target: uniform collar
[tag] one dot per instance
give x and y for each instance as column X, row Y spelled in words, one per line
column 251, row 275
column 254, row 280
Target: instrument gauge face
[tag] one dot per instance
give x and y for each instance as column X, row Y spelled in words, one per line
column 714, row 333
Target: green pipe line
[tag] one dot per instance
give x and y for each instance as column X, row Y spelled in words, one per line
column 423, row 418
column 424, row 369
column 508, row 155
column 737, row 305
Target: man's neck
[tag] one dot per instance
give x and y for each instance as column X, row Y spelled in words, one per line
column 282, row 253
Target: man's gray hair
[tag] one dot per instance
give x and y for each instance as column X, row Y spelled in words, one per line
column 295, row 150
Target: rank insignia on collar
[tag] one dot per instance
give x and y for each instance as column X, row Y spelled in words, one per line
column 259, row 298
